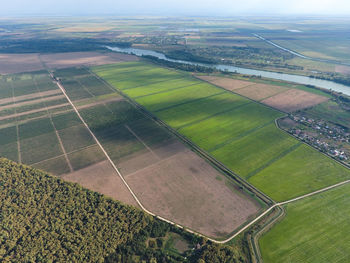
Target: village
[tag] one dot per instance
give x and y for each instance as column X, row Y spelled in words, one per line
column 334, row 140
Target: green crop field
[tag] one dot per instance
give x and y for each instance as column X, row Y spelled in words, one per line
column 299, row 172
column 315, row 229
column 238, row 132
column 252, row 150
column 219, row 129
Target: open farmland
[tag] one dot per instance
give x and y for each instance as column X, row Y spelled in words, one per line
column 284, row 98
column 38, row 127
column 235, row 130
column 315, row 229
column 158, row 167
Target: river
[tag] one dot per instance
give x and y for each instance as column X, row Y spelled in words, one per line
column 326, row 84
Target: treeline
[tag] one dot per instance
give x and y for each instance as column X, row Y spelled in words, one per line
column 56, row 45
column 45, row 219
column 187, row 56
column 177, row 65
column 341, row 79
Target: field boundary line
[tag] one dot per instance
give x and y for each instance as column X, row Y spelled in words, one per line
column 62, row 155
column 19, row 155
column 211, row 116
column 165, row 91
column 189, row 101
column 140, row 140
column 273, row 160
column 53, row 125
column 247, row 133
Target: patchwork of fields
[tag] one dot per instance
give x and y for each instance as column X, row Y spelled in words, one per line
column 38, row 127
column 236, row 131
column 169, row 179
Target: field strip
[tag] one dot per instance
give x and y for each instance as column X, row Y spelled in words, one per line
column 140, row 140
column 32, row 111
column 189, row 101
column 211, row 116
column 62, row 148
column 84, row 87
column 104, row 84
column 273, row 160
column 53, row 125
column 62, row 155
column 151, row 83
column 164, row 91
column 156, row 163
column 29, row 97
column 98, row 102
column 19, row 156
column 29, row 102
column 240, row 136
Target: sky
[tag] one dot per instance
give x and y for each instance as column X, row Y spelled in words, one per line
column 174, row 7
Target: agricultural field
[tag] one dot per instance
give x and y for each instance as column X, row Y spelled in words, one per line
column 315, row 229
column 287, row 98
column 238, row 132
column 161, row 171
column 158, row 167
column 38, row 127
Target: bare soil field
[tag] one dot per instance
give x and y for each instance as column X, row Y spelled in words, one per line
column 15, row 63
column 227, row 83
column 102, row 178
column 73, row 59
column 293, row 100
column 186, row 189
column 260, row 91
